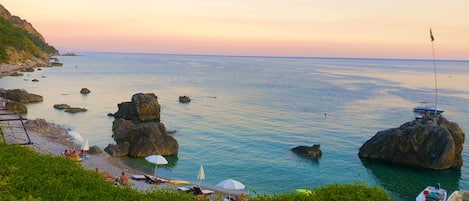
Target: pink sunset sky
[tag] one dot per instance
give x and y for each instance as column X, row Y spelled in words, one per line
column 316, row 28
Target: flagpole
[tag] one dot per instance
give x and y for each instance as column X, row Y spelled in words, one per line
column 434, row 70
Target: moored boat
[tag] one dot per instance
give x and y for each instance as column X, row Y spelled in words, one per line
column 428, row 108
column 432, row 193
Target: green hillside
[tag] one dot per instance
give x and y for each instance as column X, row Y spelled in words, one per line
column 22, row 42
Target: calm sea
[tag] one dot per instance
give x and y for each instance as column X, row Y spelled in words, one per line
column 248, row 112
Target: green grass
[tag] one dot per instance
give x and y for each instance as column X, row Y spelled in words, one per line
column 28, row 175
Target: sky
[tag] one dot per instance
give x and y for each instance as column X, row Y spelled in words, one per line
column 304, row 28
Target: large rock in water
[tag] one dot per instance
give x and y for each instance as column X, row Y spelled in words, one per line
column 143, row 107
column 137, row 130
column 144, row 139
column 419, row 144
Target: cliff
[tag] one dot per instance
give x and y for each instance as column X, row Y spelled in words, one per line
column 21, row 43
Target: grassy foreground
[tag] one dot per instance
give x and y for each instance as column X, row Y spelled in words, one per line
column 28, row 175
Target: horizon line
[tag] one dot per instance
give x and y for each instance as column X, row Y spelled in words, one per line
column 264, row 56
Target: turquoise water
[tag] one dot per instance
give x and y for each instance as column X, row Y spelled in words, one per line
column 248, row 112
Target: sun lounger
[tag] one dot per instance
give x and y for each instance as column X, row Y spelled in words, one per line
column 185, row 188
column 154, row 180
column 199, row 191
column 137, row 177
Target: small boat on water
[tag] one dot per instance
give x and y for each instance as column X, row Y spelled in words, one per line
column 460, row 195
column 421, row 109
column 432, row 193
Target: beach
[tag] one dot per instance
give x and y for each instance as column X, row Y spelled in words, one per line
column 53, row 139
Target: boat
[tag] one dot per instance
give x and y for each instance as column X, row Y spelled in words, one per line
column 432, row 193
column 459, row 195
column 421, row 109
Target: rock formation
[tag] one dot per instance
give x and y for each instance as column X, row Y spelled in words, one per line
column 85, row 91
column 137, row 129
column 21, row 96
column 29, row 48
column 17, row 107
column 184, row 99
column 143, row 107
column 44, row 128
column 313, row 152
column 418, row 143
column 61, row 106
column 75, row 110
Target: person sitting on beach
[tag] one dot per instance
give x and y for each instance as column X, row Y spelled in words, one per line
column 75, row 156
column 123, row 180
column 67, row 153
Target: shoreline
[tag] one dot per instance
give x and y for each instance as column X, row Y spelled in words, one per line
column 53, row 139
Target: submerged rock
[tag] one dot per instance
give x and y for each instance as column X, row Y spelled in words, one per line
column 61, row 106
column 75, row 110
column 418, row 144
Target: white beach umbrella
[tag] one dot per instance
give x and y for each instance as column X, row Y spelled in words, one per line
column 85, row 147
column 230, row 184
column 201, row 175
column 157, row 160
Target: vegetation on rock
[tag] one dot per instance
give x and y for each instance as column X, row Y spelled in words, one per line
column 19, row 45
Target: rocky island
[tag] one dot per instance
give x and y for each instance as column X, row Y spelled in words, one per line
column 420, row 143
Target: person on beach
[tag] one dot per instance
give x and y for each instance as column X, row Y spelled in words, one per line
column 75, row 156
column 67, row 153
column 123, row 180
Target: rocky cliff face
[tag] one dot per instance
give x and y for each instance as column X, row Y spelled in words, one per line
column 20, row 23
column 21, row 44
column 418, row 143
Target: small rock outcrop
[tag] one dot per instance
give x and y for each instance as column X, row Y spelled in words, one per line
column 44, row 128
column 419, row 144
column 95, row 150
column 61, row 106
column 137, row 129
column 85, row 91
column 184, row 99
column 17, row 107
column 21, row 96
column 313, row 152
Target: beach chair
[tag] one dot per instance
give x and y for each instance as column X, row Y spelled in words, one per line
column 201, row 193
column 154, row 180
